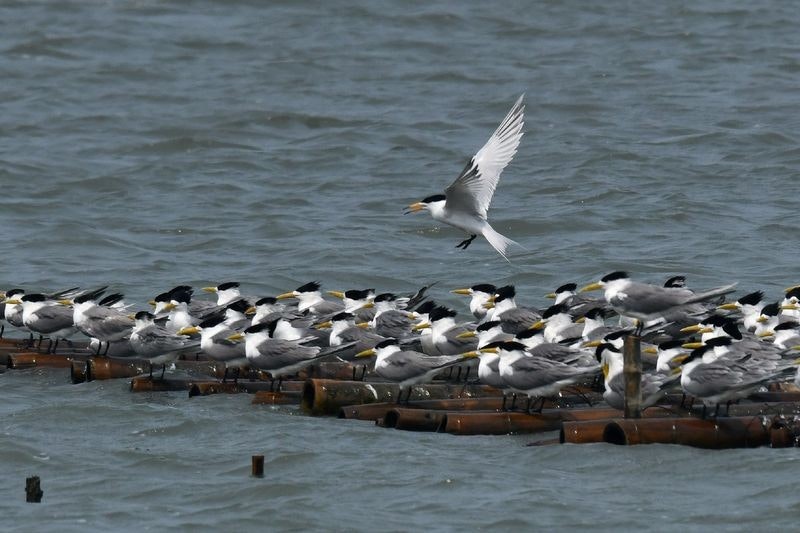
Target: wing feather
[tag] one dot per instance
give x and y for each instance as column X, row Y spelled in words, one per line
column 473, row 189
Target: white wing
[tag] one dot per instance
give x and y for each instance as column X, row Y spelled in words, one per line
column 472, row 191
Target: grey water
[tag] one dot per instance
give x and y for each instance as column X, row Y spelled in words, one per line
column 145, row 144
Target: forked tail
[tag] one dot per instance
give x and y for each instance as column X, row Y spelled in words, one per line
column 499, row 242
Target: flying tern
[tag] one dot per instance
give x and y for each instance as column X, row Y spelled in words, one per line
column 465, row 203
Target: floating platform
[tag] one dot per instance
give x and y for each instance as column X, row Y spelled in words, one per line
column 769, row 418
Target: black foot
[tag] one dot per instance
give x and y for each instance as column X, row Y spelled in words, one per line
column 466, row 242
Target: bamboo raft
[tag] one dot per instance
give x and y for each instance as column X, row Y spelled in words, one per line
column 327, row 389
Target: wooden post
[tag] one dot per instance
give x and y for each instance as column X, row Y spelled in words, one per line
column 632, row 369
column 257, row 468
column 33, row 490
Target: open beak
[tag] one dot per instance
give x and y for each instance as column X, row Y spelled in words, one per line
column 413, row 208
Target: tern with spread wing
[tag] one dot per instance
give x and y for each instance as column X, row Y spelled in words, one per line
column 465, row 203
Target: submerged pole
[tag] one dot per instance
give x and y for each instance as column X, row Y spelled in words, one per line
column 33, row 490
column 632, row 370
column 257, row 466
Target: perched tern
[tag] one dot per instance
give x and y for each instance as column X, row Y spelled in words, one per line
column 536, row 376
column 156, row 343
column 408, row 367
column 227, row 292
column 645, row 302
column 277, row 356
column 465, row 203
column 310, row 299
column 504, row 308
column 653, row 387
column 722, row 381
column 44, row 316
column 479, row 295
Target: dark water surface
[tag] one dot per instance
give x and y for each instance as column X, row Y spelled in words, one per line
column 145, row 144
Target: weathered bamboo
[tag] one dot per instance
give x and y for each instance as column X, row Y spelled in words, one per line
column 377, row 411
column 374, row 411
column 582, row 431
column 366, row 411
column 102, row 368
column 209, row 368
column 205, row 388
column 632, row 371
column 333, row 370
column 502, row 423
column 326, row 397
column 589, row 430
column 777, row 396
column 77, row 372
column 724, row 432
column 36, row 359
column 283, row 397
column 157, row 384
column 412, row 419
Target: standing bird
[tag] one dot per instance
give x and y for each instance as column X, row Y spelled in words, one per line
column 465, row 203
column 644, row 302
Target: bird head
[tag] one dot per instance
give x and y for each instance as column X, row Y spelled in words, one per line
column 437, row 200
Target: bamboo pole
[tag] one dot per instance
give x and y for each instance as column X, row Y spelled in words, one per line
column 763, row 424
column 338, row 370
column 156, row 384
column 46, row 360
column 502, row 423
column 375, row 411
column 206, row 388
column 632, row 369
column 725, row 432
column 412, row 419
column 326, row 397
column 102, row 368
column 77, row 372
column 277, row 398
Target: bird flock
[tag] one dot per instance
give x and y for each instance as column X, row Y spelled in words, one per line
column 703, row 343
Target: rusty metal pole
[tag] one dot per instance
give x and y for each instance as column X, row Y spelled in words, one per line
column 632, row 370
